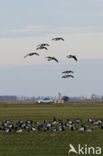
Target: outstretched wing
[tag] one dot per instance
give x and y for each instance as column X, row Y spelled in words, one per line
column 52, row 58
column 67, row 76
column 55, row 59
column 30, row 54
column 58, row 38
column 26, row 55
column 45, row 48
column 41, row 47
column 43, row 44
column 71, row 76
column 75, row 58
column 36, row 54
column 72, row 56
column 61, row 39
column 67, row 71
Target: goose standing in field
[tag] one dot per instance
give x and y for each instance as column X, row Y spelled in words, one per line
column 29, row 122
column 90, row 120
column 72, row 56
column 89, row 130
column 58, row 39
column 69, row 121
column 67, row 72
column 6, row 129
column 97, row 121
column 31, row 54
column 72, row 127
column 19, row 130
column 76, row 121
column 81, row 129
column 52, row 58
column 101, row 127
column 67, row 76
column 34, row 129
column 51, row 126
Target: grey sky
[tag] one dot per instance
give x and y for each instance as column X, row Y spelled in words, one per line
column 58, row 14
column 26, row 23
column 44, row 80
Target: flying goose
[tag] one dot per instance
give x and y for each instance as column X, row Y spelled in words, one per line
column 67, row 76
column 41, row 47
column 67, row 71
column 52, row 58
column 72, row 56
column 58, row 38
column 43, row 44
column 30, row 54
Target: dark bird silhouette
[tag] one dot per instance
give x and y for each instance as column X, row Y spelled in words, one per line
column 67, row 72
column 52, row 58
column 58, row 38
column 72, row 56
column 67, row 76
column 30, row 54
column 41, row 47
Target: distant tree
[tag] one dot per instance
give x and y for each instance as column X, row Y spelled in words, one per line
column 8, row 98
column 65, row 98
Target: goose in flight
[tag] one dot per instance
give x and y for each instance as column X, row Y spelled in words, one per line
column 72, row 56
column 30, row 54
column 41, row 47
column 43, row 44
column 67, row 71
column 58, row 38
column 52, row 58
column 67, row 76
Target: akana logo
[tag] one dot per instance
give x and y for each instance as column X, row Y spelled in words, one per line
column 85, row 149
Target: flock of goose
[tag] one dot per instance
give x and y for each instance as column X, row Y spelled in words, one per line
column 44, row 46
column 51, row 126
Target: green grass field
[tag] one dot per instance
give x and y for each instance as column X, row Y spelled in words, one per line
column 50, row 143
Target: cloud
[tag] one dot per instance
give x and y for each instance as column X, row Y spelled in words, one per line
column 47, row 30
column 77, row 30
column 29, row 29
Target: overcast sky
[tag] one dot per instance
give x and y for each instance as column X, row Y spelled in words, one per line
column 26, row 23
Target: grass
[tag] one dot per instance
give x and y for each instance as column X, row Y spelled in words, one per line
column 48, row 144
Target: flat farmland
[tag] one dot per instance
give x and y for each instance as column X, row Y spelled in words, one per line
column 33, row 143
